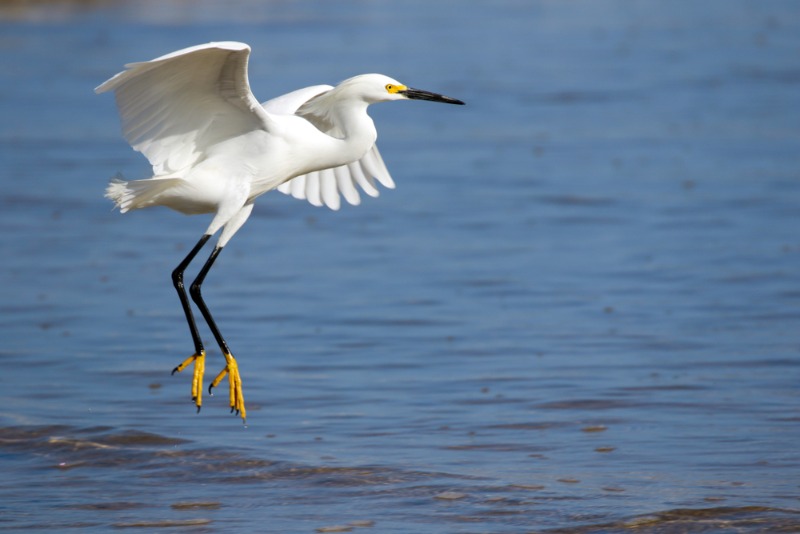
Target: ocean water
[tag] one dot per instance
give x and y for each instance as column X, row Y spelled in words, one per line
column 578, row 312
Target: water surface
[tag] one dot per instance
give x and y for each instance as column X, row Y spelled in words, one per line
column 578, row 312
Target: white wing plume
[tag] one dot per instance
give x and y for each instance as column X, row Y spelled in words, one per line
column 175, row 106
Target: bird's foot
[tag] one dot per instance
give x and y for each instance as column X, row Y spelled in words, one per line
column 235, row 385
column 199, row 360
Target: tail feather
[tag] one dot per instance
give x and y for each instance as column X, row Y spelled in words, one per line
column 135, row 194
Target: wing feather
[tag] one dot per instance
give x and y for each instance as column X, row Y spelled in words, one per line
column 312, row 189
column 328, row 188
column 373, row 164
column 367, row 183
column 159, row 103
column 346, row 184
column 289, row 103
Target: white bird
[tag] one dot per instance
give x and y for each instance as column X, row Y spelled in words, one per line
column 214, row 149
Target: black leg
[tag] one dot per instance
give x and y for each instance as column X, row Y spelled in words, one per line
column 197, row 297
column 231, row 368
column 177, row 281
column 198, row 358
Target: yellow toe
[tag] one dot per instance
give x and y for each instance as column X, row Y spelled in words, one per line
column 234, row 385
column 199, row 360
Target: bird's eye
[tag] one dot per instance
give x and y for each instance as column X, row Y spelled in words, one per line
column 390, row 87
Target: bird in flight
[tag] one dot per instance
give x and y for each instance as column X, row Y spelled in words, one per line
column 215, row 149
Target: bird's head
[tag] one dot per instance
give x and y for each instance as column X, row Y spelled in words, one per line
column 379, row 88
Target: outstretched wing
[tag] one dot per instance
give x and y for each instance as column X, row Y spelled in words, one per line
column 173, row 107
column 326, row 187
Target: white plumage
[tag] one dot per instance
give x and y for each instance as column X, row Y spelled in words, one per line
column 192, row 114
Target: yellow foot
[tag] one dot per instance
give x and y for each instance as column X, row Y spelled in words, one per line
column 235, row 382
column 197, row 378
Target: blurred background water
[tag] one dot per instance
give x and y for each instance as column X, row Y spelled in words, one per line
column 578, row 312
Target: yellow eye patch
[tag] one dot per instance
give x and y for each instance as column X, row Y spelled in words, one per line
column 391, row 88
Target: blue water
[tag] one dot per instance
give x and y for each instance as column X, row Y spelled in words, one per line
column 578, row 311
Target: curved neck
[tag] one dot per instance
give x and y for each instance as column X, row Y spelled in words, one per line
column 356, row 131
column 348, row 130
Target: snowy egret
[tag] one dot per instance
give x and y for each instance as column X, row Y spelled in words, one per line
column 214, row 149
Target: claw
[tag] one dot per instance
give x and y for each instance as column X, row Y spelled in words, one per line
column 214, row 383
column 181, row 366
column 199, row 360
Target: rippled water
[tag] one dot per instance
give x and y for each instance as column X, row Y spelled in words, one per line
column 577, row 313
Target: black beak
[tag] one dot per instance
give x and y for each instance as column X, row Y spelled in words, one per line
column 418, row 94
